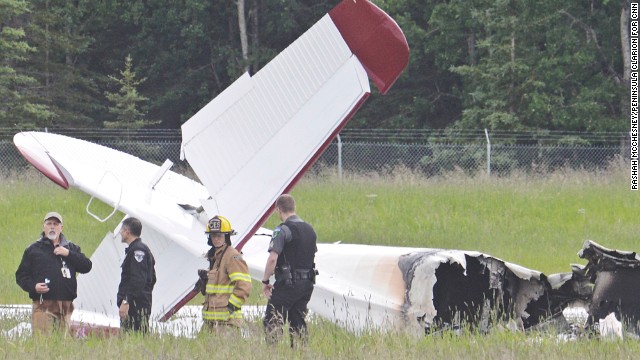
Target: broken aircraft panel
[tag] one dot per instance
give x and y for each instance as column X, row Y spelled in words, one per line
column 571, row 288
column 615, row 276
column 452, row 288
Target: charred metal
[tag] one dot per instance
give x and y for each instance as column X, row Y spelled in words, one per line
column 450, row 289
column 615, row 276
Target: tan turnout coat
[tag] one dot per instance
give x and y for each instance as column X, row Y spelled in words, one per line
column 228, row 281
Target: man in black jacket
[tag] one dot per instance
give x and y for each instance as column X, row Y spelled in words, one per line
column 137, row 279
column 48, row 273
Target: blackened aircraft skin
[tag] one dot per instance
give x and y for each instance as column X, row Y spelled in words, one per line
column 451, row 288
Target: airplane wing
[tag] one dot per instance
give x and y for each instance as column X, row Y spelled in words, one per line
column 255, row 140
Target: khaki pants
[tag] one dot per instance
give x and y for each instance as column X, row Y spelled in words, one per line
column 51, row 315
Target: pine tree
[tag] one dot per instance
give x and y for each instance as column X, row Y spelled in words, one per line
column 17, row 103
column 127, row 102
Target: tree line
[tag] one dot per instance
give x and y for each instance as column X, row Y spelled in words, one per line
column 508, row 65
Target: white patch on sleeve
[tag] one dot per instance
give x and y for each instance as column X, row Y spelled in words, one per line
column 139, row 255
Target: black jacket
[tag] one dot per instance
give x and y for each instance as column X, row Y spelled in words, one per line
column 138, row 274
column 39, row 262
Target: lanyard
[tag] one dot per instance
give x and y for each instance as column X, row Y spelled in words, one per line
column 64, row 264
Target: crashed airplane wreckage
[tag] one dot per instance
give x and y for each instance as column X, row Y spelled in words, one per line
column 615, row 277
column 448, row 289
column 488, row 289
column 307, row 93
column 451, row 289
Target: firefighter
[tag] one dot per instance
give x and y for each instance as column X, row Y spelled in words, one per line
column 227, row 280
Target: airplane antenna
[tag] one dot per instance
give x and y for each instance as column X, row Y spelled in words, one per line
column 160, row 173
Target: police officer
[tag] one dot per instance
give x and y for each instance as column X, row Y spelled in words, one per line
column 291, row 258
column 137, row 279
column 48, row 273
column 227, row 282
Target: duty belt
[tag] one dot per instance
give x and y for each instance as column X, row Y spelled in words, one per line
column 304, row 274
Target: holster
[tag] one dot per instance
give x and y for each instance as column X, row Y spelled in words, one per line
column 284, row 275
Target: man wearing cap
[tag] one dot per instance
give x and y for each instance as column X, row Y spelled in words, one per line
column 48, row 273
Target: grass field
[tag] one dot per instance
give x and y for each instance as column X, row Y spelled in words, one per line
column 538, row 222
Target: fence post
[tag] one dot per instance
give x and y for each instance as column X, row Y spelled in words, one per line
column 339, row 158
column 486, row 133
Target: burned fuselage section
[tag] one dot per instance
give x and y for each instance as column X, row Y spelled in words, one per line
column 615, row 276
column 452, row 289
column 449, row 288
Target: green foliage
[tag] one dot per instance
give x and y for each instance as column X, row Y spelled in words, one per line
column 497, row 64
column 537, row 69
column 66, row 84
column 127, row 101
column 17, row 101
column 447, row 159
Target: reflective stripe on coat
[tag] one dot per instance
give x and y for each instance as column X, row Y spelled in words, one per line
column 228, row 282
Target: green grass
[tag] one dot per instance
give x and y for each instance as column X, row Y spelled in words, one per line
column 538, row 222
column 326, row 342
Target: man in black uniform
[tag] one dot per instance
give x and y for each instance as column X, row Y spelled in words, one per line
column 48, row 273
column 137, row 279
column 291, row 258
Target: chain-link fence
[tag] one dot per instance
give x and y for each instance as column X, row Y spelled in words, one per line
column 437, row 159
column 354, row 153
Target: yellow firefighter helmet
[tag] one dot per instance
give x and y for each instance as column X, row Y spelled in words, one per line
column 219, row 224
